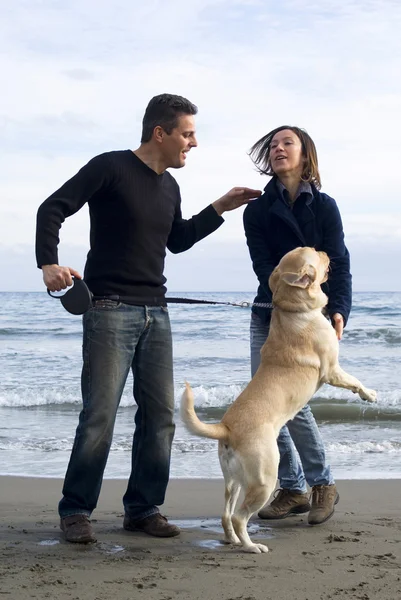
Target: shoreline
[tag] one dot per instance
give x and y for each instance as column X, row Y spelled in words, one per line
column 365, row 477
column 355, row 555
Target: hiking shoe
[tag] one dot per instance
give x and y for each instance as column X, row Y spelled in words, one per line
column 324, row 499
column 77, row 529
column 286, row 503
column 156, row 525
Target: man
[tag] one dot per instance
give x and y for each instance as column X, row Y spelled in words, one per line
column 135, row 214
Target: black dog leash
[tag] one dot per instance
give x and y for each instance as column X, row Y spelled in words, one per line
column 78, row 299
column 243, row 304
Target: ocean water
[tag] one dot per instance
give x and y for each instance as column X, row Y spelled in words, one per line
column 40, row 364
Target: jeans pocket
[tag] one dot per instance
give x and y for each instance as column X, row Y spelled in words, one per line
column 106, row 304
column 164, row 309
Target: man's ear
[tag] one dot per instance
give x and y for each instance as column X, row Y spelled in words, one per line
column 303, row 279
column 158, row 133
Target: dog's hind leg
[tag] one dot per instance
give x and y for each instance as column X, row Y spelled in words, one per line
column 231, row 471
column 232, row 491
column 255, row 498
column 260, row 469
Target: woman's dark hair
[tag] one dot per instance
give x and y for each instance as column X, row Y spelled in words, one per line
column 164, row 110
column 260, row 155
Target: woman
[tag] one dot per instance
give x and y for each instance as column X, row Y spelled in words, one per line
column 293, row 212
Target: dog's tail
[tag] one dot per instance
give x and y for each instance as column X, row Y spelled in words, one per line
column 215, row 431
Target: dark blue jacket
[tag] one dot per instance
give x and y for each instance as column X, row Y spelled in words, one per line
column 272, row 229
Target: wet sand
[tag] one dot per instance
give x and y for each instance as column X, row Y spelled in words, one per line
column 355, row 555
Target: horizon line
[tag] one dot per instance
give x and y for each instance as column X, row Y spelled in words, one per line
column 208, row 292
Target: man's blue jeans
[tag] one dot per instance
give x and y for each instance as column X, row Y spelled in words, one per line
column 118, row 337
column 301, row 433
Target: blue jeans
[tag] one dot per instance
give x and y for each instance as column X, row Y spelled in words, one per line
column 118, row 337
column 301, row 433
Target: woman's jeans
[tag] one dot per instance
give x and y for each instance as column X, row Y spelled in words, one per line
column 301, row 433
column 116, row 338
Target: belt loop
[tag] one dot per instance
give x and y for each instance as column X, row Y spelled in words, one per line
column 147, row 317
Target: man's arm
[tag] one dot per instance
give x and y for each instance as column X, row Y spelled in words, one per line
column 235, row 198
column 52, row 213
column 262, row 261
column 186, row 232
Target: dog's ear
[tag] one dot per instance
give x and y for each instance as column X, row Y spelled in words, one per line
column 273, row 280
column 302, row 279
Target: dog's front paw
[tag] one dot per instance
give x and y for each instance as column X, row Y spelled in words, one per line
column 368, row 395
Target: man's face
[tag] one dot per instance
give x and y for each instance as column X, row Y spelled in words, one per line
column 174, row 147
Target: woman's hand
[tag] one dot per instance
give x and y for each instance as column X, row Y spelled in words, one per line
column 338, row 324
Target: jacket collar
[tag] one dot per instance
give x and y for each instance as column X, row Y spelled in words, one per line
column 304, row 188
column 274, row 187
column 281, row 209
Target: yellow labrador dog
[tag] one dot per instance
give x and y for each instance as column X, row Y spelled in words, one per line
column 300, row 354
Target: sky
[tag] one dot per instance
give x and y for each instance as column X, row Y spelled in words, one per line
column 78, row 74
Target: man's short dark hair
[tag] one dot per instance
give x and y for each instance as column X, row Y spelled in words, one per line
column 163, row 111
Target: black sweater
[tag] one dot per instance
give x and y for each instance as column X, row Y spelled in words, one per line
column 135, row 214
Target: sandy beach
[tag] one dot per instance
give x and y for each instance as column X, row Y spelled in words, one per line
column 357, row 554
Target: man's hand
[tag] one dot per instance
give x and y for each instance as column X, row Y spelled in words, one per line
column 234, row 199
column 338, row 324
column 58, row 278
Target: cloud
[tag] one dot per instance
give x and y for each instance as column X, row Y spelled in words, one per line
column 78, row 76
column 214, row 264
column 42, row 134
column 381, row 227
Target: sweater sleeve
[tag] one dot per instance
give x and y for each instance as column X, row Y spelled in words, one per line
column 65, row 202
column 186, row 232
column 340, row 280
column 262, row 261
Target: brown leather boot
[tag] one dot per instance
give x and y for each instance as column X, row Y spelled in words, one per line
column 324, row 499
column 156, row 525
column 286, row 503
column 77, row 529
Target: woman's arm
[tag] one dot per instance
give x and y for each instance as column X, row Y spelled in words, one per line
column 340, row 280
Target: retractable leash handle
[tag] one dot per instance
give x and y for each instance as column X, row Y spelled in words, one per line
column 78, row 299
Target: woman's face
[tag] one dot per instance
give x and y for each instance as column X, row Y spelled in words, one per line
column 286, row 153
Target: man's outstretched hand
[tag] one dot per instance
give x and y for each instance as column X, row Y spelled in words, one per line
column 235, row 198
column 58, row 278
